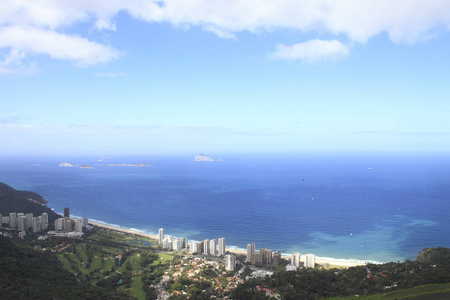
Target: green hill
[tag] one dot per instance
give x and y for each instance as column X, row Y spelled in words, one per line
column 12, row 200
column 29, row 274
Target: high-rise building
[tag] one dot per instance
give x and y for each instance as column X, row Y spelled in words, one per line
column 68, row 224
column 22, row 223
column 230, row 262
column 266, row 256
column 212, row 247
column 44, row 223
column 84, row 222
column 221, row 250
column 177, row 244
column 295, row 259
column 276, row 258
column 257, row 258
column 185, row 242
column 66, row 212
column 310, row 260
column 250, row 250
column 59, row 224
column 78, row 225
column 200, row 247
column 5, row 220
column 29, row 220
column 160, row 235
column 37, row 224
column 206, row 249
column 166, row 243
column 193, row 246
column 12, row 220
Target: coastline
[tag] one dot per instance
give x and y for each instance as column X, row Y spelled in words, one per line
column 319, row 260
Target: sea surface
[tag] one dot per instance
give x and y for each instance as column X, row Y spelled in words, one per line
column 373, row 207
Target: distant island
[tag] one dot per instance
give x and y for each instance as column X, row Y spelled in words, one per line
column 128, row 165
column 66, row 164
column 203, row 157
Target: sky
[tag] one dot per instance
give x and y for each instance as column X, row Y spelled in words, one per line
column 146, row 77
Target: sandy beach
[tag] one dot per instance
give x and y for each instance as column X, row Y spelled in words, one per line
column 319, row 260
column 135, row 232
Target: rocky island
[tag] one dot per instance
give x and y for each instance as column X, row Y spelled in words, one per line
column 203, row 157
column 128, row 165
column 66, row 164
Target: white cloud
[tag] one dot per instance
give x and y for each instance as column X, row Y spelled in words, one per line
column 13, row 64
column 403, row 20
column 58, row 46
column 27, row 25
column 312, row 51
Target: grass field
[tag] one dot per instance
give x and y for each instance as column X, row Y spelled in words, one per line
column 163, row 259
column 93, row 260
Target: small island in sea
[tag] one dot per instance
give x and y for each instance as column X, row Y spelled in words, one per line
column 66, row 164
column 128, row 165
column 203, row 157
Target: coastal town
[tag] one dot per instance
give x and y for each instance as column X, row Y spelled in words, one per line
column 129, row 263
column 193, row 265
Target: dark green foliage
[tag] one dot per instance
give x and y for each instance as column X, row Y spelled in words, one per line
column 12, row 200
column 29, row 274
column 431, row 266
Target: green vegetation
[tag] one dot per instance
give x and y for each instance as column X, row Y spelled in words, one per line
column 432, row 266
column 12, row 200
column 112, row 260
column 430, row 291
column 108, row 264
column 30, row 274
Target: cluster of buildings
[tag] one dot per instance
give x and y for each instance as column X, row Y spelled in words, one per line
column 208, row 247
column 68, row 224
column 24, row 222
column 308, row 261
column 27, row 222
column 217, row 247
column 263, row 256
column 266, row 257
column 69, row 227
column 211, row 247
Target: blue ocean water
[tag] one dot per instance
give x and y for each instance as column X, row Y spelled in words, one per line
column 380, row 207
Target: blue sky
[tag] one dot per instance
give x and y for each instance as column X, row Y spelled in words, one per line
column 183, row 77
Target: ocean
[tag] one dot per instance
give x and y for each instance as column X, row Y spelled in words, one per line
column 367, row 207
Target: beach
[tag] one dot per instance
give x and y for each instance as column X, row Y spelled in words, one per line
column 123, row 230
column 326, row 261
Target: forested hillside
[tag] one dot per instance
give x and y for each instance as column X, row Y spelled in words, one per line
column 12, row 200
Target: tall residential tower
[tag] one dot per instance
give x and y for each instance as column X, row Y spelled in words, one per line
column 160, row 235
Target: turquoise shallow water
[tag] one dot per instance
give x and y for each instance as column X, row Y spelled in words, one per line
column 382, row 208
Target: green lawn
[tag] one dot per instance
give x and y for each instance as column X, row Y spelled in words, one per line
column 100, row 250
column 136, row 282
column 81, row 249
column 163, row 258
column 66, row 263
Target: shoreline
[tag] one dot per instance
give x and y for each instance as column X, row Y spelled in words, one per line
column 339, row 262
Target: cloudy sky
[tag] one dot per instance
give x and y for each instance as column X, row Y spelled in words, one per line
column 224, row 76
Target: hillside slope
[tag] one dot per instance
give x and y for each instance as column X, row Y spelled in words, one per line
column 12, row 200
